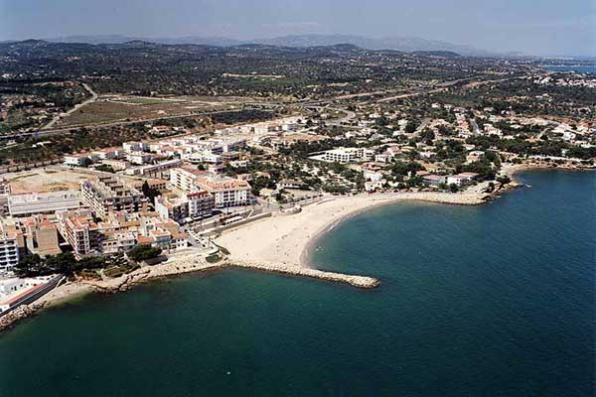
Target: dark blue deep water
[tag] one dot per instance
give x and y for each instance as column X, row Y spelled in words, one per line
column 497, row 300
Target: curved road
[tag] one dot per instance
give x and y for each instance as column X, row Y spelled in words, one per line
column 75, row 108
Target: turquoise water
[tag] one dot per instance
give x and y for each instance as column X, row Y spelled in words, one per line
column 495, row 300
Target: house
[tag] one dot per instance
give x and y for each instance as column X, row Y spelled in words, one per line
column 76, row 160
column 130, row 147
column 289, row 184
column 434, row 180
column 461, row 179
column 474, row 155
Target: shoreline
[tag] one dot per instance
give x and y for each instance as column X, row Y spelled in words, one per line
column 189, row 261
column 291, row 238
column 267, row 245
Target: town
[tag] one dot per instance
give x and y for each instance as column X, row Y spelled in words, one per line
column 95, row 186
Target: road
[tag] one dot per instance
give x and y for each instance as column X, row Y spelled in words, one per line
column 75, row 108
column 444, row 86
column 46, row 131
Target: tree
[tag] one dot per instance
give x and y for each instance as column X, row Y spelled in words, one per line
column 64, row 263
column 381, row 121
column 143, row 252
column 410, row 127
column 105, row 168
column 401, row 168
column 150, row 192
column 504, row 179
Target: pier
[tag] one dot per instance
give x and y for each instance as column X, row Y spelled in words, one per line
column 296, row 270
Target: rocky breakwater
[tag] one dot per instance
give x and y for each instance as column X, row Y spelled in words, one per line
column 296, row 270
column 20, row 313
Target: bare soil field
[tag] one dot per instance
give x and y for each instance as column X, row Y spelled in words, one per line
column 46, row 180
column 115, row 108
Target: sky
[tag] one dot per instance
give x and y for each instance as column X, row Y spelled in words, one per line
column 537, row 27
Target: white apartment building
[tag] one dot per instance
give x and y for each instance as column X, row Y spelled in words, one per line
column 9, row 252
column 41, row 203
column 227, row 192
column 202, row 157
column 200, row 204
column 130, row 147
column 75, row 160
column 184, row 178
column 191, row 206
column 461, row 179
column 118, row 242
column 138, row 158
column 156, row 170
column 80, row 231
column 347, row 155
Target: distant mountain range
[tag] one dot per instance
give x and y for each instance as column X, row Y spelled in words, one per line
column 406, row 44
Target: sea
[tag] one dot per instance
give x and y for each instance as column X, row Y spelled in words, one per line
column 583, row 68
column 493, row 300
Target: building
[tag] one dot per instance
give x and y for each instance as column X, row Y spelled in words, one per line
column 461, row 179
column 474, row 155
column 200, row 204
column 164, row 234
column 9, row 251
column 76, row 160
column 4, row 186
column 107, row 194
column 117, row 242
column 19, row 291
column 347, row 155
column 434, row 180
column 227, row 192
column 190, row 206
column 138, row 158
column 158, row 170
column 80, row 231
column 184, row 178
column 42, row 236
column 117, row 165
column 130, row 147
column 171, row 207
column 43, row 203
column 108, row 153
column 158, row 184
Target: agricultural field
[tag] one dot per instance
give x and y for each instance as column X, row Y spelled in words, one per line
column 115, row 108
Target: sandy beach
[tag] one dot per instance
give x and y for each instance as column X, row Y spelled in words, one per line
column 287, row 238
